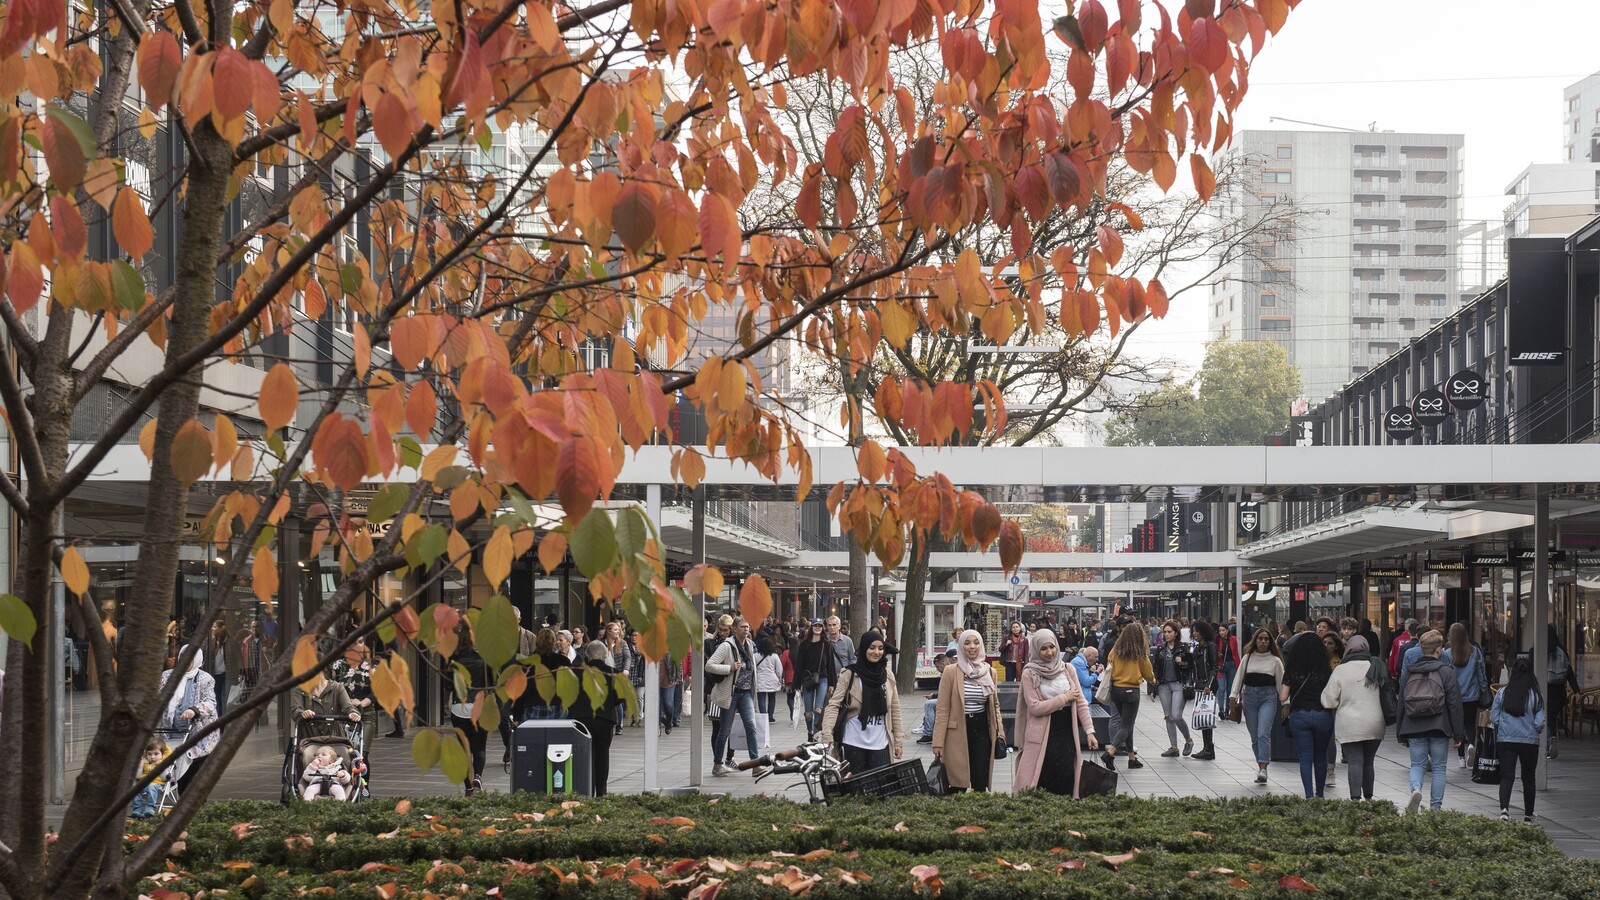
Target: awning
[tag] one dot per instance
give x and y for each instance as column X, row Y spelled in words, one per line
column 1374, row 531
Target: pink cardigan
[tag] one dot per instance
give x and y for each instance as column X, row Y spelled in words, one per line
column 1033, row 729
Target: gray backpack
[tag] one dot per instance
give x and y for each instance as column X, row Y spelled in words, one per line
column 1424, row 695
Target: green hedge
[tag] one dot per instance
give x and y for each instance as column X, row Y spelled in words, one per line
column 982, row 845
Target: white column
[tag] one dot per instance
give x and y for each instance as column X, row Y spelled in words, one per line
column 651, row 701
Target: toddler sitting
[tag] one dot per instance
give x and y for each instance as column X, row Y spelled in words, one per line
column 149, row 800
column 325, row 774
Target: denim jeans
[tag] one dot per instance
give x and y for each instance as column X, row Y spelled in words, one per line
column 743, row 706
column 930, row 710
column 1424, row 750
column 1311, row 730
column 1260, row 714
column 814, row 698
column 669, row 706
column 1171, row 694
column 1224, row 684
column 147, row 801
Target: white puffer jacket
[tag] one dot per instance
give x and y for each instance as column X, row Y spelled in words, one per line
column 1357, row 710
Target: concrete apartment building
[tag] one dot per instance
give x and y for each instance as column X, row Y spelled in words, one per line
column 1374, row 262
column 1556, row 199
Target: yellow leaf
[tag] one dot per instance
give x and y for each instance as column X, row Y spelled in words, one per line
column 192, row 453
column 497, row 557
column 437, row 459
column 74, row 572
column 458, row 551
column 147, row 439
column 305, row 661
column 280, row 394
column 264, row 576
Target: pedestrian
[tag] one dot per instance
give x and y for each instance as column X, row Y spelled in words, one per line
column 1472, row 680
column 1518, row 716
column 735, row 660
column 636, row 677
column 844, row 650
column 599, row 719
column 930, row 703
column 1204, row 675
column 1398, row 646
column 216, row 649
column 669, row 682
column 193, row 706
column 1054, row 707
column 786, row 660
column 720, row 630
column 863, row 716
column 1259, row 691
column 1558, row 677
column 619, row 656
column 1130, row 667
column 1014, row 651
column 966, row 723
column 1228, row 653
column 815, row 669
column 1172, row 662
column 477, row 682
column 1305, row 673
column 769, row 680
column 1353, row 695
column 549, row 659
column 1430, row 718
column 353, row 671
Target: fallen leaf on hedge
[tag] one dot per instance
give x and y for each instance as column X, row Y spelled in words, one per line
column 238, row 864
column 572, row 804
column 388, row 891
column 242, row 830
column 1219, row 870
column 488, row 831
column 297, row 842
column 821, row 853
column 720, row 866
column 682, row 866
column 379, row 867
column 900, row 826
column 805, row 828
column 655, row 837
column 970, row 829
column 1020, row 867
column 177, row 848
column 1201, row 834
column 332, row 838
column 674, row 821
column 1077, row 834
column 1295, row 883
column 780, row 854
column 403, row 807
column 1121, row 858
column 1070, row 864
column 164, row 877
column 707, row 891
column 389, row 835
column 645, row 882
column 761, row 864
column 1237, row 882
column 534, row 816
column 924, row 873
column 1258, row 867
column 446, row 868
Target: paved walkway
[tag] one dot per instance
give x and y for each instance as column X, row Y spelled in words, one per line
column 1569, row 811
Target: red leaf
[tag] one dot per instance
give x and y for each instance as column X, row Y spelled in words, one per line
column 633, row 215
column 985, row 524
column 232, row 83
column 392, row 122
column 1295, row 883
column 719, row 229
column 1110, row 244
column 1208, row 46
column 66, row 226
column 28, row 19
column 1010, row 545
column 578, row 476
column 1155, row 299
column 1205, row 183
column 159, row 61
column 1092, row 24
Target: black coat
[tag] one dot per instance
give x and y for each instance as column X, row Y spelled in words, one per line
column 814, row 656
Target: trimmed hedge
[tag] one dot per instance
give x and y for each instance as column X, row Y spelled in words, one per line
column 982, row 845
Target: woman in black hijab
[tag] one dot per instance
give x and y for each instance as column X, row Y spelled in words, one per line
column 863, row 716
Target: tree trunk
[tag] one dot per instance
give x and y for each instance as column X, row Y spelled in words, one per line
column 141, row 654
column 863, row 605
column 911, row 630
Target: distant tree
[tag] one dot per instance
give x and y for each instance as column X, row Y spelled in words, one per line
column 1241, row 393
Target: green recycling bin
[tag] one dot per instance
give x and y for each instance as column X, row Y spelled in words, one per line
column 552, row 756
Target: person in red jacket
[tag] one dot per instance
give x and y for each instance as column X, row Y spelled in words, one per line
column 788, row 681
column 1227, row 666
column 1398, row 647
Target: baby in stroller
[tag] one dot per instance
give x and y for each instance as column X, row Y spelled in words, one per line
column 148, row 802
column 325, row 775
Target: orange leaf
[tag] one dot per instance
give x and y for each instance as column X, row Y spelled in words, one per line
column 497, row 557
column 1237, row 882
column 422, row 409
column 970, row 829
column 1121, row 858
column 719, row 229
column 871, row 462
column 1110, row 244
column 280, row 395
column 392, row 122
column 130, row 225
column 232, row 83
column 755, row 601
column 192, row 454
column 159, row 61
column 305, row 663
column 691, row 467
column 1205, row 183
column 24, row 281
column 1011, row 543
column 985, row 524
column 552, row 550
column 264, row 576
column 413, row 339
column 633, row 215
column 578, row 476
column 1295, row 883
column 74, row 572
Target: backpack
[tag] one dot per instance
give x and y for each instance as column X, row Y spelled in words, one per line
column 1424, row 695
column 709, row 680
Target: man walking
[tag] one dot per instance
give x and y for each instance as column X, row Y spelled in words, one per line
column 844, row 650
column 1398, row 647
column 735, row 660
column 1430, row 718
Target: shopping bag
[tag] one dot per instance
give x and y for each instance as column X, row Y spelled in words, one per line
column 1485, row 757
column 1094, row 778
column 1102, row 693
column 937, row 785
column 1205, row 711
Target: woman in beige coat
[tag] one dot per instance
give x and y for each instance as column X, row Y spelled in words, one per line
column 966, row 718
column 1053, row 708
column 863, row 715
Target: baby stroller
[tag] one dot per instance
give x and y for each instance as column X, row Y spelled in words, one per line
column 177, row 766
column 305, row 751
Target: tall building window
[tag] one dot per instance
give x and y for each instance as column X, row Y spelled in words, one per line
column 1285, row 152
column 1275, row 177
column 1275, row 324
column 1269, row 299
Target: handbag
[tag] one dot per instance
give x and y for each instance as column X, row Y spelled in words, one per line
column 1389, row 702
column 1205, row 711
column 937, row 784
column 1235, row 712
column 1000, row 749
column 1484, row 759
column 1095, row 779
column 235, row 693
column 1102, row 692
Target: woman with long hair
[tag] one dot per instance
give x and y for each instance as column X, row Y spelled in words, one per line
column 1130, row 667
column 1053, row 709
column 599, row 718
column 1472, row 677
column 354, row 671
column 1352, row 693
column 966, row 718
column 478, row 680
column 1172, row 662
column 863, row 716
column 1518, row 715
column 1305, row 675
column 1558, row 677
column 1014, row 650
column 1259, row 690
column 815, row 669
column 1204, row 671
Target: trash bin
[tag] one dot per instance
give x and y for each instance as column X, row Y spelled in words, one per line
column 552, row 756
column 1010, row 695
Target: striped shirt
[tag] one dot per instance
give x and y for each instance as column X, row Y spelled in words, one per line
column 974, row 698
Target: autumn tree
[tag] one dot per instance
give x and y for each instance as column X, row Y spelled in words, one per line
column 352, row 164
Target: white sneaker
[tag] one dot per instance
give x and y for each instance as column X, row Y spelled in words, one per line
column 1415, row 804
column 721, row 771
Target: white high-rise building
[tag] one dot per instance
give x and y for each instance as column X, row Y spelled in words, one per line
column 1581, row 128
column 1374, row 260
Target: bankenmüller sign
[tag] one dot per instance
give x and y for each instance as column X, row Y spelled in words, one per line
column 1430, row 408
column 1466, row 390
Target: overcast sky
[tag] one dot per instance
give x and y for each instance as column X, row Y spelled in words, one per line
column 1494, row 72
